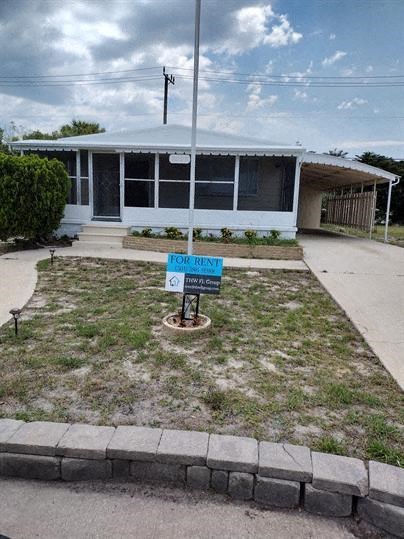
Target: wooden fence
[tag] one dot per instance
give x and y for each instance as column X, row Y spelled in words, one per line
column 355, row 210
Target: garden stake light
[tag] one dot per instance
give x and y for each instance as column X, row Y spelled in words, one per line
column 16, row 315
column 52, row 252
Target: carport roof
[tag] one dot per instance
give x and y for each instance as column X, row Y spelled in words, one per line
column 326, row 172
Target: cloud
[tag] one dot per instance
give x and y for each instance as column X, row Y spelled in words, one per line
column 330, row 60
column 255, row 101
column 352, row 104
column 369, row 69
column 250, row 30
column 332, row 37
column 383, row 143
column 300, row 95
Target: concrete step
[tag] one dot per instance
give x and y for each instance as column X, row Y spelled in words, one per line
column 101, row 238
column 94, row 245
column 106, row 230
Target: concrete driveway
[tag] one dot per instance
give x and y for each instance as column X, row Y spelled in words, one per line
column 366, row 278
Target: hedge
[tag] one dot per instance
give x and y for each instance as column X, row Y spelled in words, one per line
column 33, row 194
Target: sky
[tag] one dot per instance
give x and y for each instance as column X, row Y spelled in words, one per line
column 324, row 73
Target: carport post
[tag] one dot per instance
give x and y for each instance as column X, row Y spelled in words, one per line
column 386, row 224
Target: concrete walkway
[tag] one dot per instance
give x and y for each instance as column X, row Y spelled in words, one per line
column 18, row 275
column 366, row 278
column 129, row 511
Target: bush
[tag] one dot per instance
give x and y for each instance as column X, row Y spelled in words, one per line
column 173, row 233
column 251, row 236
column 226, row 234
column 147, row 233
column 197, row 233
column 274, row 235
column 33, row 194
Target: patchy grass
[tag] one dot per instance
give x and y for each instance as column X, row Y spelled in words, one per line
column 395, row 233
column 281, row 363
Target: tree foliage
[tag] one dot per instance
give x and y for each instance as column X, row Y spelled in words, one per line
column 33, row 193
column 73, row 129
column 397, row 199
column 337, row 153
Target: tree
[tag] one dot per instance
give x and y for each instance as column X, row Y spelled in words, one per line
column 78, row 127
column 38, row 135
column 397, row 199
column 337, row 153
column 33, row 194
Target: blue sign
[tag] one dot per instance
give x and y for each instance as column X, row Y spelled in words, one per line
column 191, row 274
column 195, row 265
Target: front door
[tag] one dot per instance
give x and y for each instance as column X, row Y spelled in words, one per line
column 106, row 192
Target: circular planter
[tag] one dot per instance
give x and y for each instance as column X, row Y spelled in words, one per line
column 171, row 325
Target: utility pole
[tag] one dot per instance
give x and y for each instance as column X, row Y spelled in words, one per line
column 168, row 79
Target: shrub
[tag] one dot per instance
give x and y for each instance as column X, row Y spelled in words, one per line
column 197, row 233
column 274, row 235
column 173, row 233
column 33, row 194
column 147, row 233
column 251, row 236
column 226, row 234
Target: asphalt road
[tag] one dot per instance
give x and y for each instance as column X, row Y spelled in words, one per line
column 30, row 509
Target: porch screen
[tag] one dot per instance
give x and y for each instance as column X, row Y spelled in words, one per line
column 266, row 183
column 214, row 176
column 173, row 184
column 139, row 180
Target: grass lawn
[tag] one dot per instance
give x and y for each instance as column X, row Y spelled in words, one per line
column 395, row 234
column 281, row 363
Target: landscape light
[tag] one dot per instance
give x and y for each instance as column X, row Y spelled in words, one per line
column 52, row 252
column 16, row 315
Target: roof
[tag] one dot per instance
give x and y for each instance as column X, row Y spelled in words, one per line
column 164, row 138
column 327, row 171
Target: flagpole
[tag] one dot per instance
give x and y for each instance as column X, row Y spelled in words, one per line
column 193, row 129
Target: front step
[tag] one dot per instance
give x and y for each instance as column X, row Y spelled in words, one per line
column 103, row 234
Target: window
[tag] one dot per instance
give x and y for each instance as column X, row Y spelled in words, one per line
column 214, row 182
column 174, row 194
column 266, row 183
column 139, row 180
column 248, row 179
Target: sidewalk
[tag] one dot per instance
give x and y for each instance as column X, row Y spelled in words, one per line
column 18, row 275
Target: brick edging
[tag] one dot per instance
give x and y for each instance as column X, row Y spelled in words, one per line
column 271, row 474
column 274, row 252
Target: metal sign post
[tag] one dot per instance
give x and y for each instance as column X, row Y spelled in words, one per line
column 193, row 129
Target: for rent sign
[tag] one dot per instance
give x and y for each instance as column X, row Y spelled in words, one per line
column 190, row 274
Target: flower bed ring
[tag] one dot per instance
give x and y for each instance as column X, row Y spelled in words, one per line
column 173, row 325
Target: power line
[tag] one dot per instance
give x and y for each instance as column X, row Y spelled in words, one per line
column 79, row 74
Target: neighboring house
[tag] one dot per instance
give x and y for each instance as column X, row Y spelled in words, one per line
column 241, row 183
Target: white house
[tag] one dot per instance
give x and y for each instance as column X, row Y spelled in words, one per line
column 128, row 179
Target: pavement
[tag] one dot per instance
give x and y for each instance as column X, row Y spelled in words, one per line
column 366, row 279
column 32, row 509
column 18, row 275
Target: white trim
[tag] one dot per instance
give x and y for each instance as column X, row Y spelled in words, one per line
column 90, row 183
column 236, row 182
column 78, row 178
column 121, row 183
column 296, row 190
column 156, row 179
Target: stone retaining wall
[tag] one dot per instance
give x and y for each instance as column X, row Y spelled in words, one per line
column 280, row 475
column 214, row 248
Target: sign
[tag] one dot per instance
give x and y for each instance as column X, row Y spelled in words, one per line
column 179, row 159
column 191, row 274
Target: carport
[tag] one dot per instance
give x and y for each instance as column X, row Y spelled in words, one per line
column 349, row 189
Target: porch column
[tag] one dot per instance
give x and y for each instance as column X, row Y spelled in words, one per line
column 297, row 187
column 78, row 177
column 90, row 184
column 122, row 182
column 156, row 179
column 236, row 181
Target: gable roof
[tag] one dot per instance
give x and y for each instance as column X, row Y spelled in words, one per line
column 163, row 137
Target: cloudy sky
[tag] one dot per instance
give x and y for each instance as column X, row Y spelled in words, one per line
column 326, row 73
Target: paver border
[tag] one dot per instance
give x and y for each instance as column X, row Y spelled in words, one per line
column 230, row 465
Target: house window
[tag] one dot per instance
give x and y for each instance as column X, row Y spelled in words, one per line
column 266, row 183
column 84, row 178
column 173, row 184
column 139, row 180
column 214, row 176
